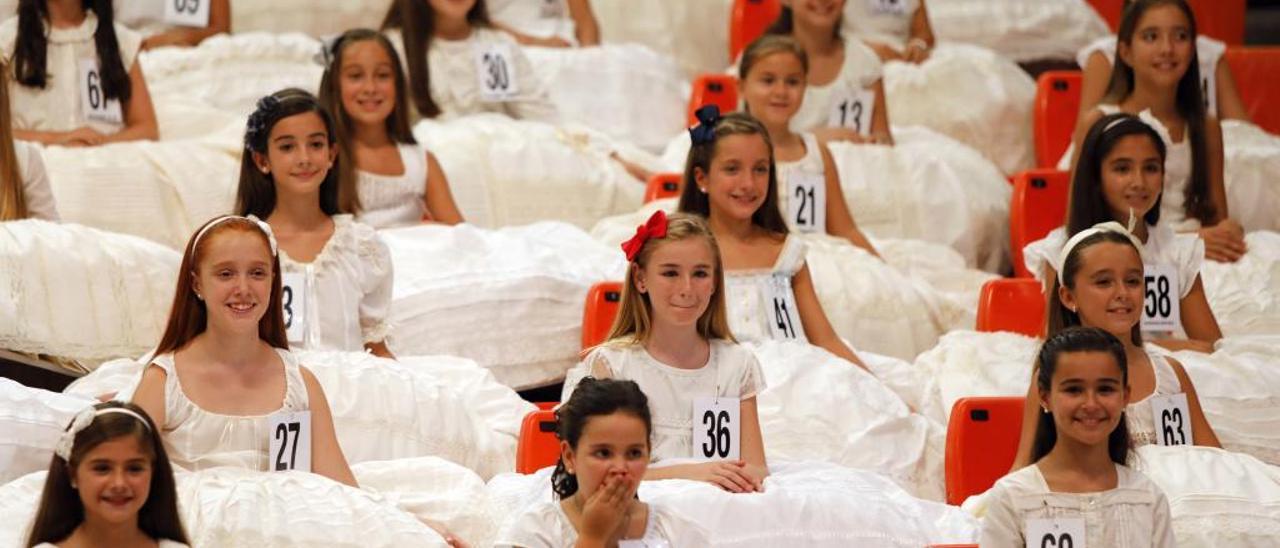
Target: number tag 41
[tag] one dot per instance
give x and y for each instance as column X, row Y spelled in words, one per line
column 293, row 300
column 1172, row 416
column 716, row 425
column 853, row 109
column 187, row 13
column 780, row 309
column 807, row 201
column 497, row 76
column 290, row 435
column 93, row 98
column 1160, row 310
column 1055, row 533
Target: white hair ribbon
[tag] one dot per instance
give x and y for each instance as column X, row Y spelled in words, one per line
column 1109, row 226
column 82, row 420
column 262, row 225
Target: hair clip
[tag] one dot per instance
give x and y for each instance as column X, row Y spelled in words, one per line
column 257, row 124
column 82, row 420
column 655, row 227
column 328, row 49
column 705, row 131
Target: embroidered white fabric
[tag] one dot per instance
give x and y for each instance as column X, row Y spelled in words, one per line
column 1022, row 30
column 545, row 525
column 388, row 201
column 35, row 182
column 32, row 420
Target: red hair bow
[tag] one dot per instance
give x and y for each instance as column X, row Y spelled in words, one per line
column 655, row 227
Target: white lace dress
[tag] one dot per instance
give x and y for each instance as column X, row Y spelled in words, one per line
column 388, row 201
column 860, row 71
column 545, row 525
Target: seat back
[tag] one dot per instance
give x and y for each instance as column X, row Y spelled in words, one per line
column 662, row 185
column 1057, row 107
column 748, row 21
column 1255, row 71
column 1221, row 19
column 720, row 90
column 603, row 300
column 1038, row 205
column 982, row 441
column 1012, row 304
column 538, row 447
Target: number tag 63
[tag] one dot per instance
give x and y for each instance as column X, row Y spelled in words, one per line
column 290, row 436
column 1055, row 533
column 716, row 425
column 1172, row 416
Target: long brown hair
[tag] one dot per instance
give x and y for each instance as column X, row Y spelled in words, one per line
column 1061, row 317
column 416, row 22
column 693, row 200
column 188, row 317
column 31, row 48
column 13, row 205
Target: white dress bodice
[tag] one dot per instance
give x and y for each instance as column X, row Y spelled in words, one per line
column 862, row 68
column 883, row 21
column 545, row 525
column 1184, row 252
column 388, row 201
column 1208, row 52
column 746, row 291
column 35, row 182
column 810, row 165
column 537, row 18
column 1142, row 424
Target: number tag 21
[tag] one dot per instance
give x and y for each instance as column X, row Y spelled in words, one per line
column 1055, row 533
column 807, row 201
column 290, row 435
column 716, row 425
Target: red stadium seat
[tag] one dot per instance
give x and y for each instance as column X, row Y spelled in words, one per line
column 603, row 300
column 662, row 185
column 720, row 90
column 538, row 447
column 1057, row 107
column 1012, row 304
column 982, row 441
column 748, row 21
column 1038, row 205
column 1221, row 19
column 1255, row 71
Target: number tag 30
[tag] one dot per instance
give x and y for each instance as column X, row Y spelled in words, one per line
column 807, row 201
column 1055, row 533
column 93, row 98
column 1172, row 416
column 290, row 435
column 187, row 13
column 716, row 426
column 853, row 109
column 1160, row 310
column 497, row 76
column 780, row 308
column 895, row 7
column 293, row 299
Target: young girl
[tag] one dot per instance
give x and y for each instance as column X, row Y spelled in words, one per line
column 216, row 378
column 24, row 185
column 109, row 484
column 547, row 23
column 397, row 182
column 672, row 337
column 604, row 431
column 458, row 64
column 898, row 30
column 1079, row 485
column 1120, row 174
column 76, row 77
column 185, row 25
column 337, row 271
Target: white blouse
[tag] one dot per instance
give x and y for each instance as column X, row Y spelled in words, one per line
column 545, row 525
column 1208, row 52
column 1138, row 415
column 731, row 371
column 57, row 107
column 348, row 288
column 1135, row 514
column 537, row 18
column 388, row 201
column 1184, row 252
column 882, row 21
column 747, row 290
column 35, row 183
column 861, row 70
column 455, row 77
column 810, row 165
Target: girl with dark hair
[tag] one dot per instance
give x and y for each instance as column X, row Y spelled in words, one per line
column 24, row 185
column 396, row 181
column 76, row 80
column 109, row 484
column 1079, row 457
column 604, row 430
column 459, row 64
column 337, row 271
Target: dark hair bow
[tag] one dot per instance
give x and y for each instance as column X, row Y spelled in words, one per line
column 655, row 227
column 265, row 109
column 705, row 131
column 328, row 49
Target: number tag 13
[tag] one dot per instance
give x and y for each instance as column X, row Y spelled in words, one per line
column 1055, row 533
column 1160, row 310
column 853, row 109
column 293, row 301
column 716, row 425
column 93, row 98
column 290, row 435
column 1172, row 416
column 497, row 78
column 187, row 13
column 807, row 201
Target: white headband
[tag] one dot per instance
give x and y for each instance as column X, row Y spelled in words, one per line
column 266, row 229
column 82, row 420
column 1109, row 226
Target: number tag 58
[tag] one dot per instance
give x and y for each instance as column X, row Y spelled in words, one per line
column 497, row 76
column 1172, row 415
column 187, row 13
column 716, row 426
column 1160, row 310
column 290, row 435
column 1055, row 533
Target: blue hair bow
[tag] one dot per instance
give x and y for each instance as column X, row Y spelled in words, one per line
column 705, row 131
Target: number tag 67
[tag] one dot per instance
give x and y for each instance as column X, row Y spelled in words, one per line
column 716, row 425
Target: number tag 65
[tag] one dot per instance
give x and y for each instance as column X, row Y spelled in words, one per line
column 290, row 436
column 716, row 425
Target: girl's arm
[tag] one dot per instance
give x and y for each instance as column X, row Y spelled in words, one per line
column 840, row 221
column 732, row 476
column 1203, row 433
column 375, row 305
column 440, row 204
column 1217, row 185
column 219, row 22
column 880, row 132
column 1030, row 417
column 585, row 26
column 921, row 32
column 753, row 443
column 326, row 455
column 1223, row 237
column 1230, row 105
column 1093, row 87
column 139, row 117
column 379, row 349
column 816, row 324
column 1197, row 318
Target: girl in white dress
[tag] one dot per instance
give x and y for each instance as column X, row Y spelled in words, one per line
column 109, row 484
column 459, row 64
column 547, row 23
column 76, row 80
column 1079, row 486
column 605, row 430
column 24, row 185
column 338, row 271
column 397, row 182
column 181, row 27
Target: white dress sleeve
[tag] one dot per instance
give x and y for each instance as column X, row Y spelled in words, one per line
column 1189, row 250
column 676, row 529
column 596, row 365
column 1105, row 45
column 375, row 305
column 747, row 374
column 533, row 102
column 537, row 527
column 1161, row 522
column 35, row 183
column 130, row 43
column 1039, row 256
column 1001, row 528
column 791, row 259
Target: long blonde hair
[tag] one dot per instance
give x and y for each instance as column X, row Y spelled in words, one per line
column 13, row 205
column 633, row 324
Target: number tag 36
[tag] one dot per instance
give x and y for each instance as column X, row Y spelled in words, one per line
column 290, row 435
column 807, row 201
column 293, row 300
column 187, row 13
column 93, row 98
column 1055, row 533
column 780, row 308
column 1172, row 416
column 716, row 426
column 853, row 109
column 497, row 76
column 1160, row 310
column 896, row 7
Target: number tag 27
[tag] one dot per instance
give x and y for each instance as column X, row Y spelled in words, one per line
column 187, row 13
column 716, row 425
column 293, row 301
column 807, row 201
column 290, row 435
column 496, row 76
column 1055, row 533
column 1161, row 310
column 93, row 98
column 1172, row 416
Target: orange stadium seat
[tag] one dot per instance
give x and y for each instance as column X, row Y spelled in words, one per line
column 720, row 90
column 603, row 300
column 1038, row 205
column 1255, row 71
column 538, row 447
column 1057, row 107
column 1221, row 19
column 662, row 185
column 982, row 441
column 748, row 21
column 1012, row 304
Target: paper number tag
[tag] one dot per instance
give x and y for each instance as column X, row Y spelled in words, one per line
column 644, row 543
column 1173, row 420
column 1160, row 310
column 187, row 13
column 497, row 77
column 290, row 435
column 552, row 9
column 1055, row 533
column 780, row 307
column 293, row 301
column 896, row 7
column 716, row 426
column 807, row 201
column 93, row 98
column 853, row 110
